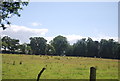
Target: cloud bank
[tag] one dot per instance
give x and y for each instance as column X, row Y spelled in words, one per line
column 23, row 33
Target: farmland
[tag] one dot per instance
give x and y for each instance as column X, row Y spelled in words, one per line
column 57, row 67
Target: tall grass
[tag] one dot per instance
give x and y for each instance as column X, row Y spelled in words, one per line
column 57, row 67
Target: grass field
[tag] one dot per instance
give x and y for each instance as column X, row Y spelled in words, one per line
column 56, row 67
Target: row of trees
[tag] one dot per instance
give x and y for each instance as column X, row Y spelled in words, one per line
column 60, row 46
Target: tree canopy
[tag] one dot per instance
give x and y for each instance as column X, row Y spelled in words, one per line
column 60, row 44
column 10, row 44
column 38, row 45
column 9, row 8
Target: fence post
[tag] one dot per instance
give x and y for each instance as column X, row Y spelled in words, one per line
column 40, row 74
column 92, row 74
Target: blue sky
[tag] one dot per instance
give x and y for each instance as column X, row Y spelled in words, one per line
column 74, row 20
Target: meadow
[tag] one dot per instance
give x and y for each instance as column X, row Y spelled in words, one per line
column 16, row 66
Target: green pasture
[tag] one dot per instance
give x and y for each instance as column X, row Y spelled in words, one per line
column 57, row 67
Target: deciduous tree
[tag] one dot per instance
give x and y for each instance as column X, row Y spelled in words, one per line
column 79, row 48
column 9, row 8
column 38, row 45
column 60, row 44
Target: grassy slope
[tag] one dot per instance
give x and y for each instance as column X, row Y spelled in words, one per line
column 57, row 67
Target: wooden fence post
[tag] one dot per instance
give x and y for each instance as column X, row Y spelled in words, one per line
column 40, row 74
column 92, row 74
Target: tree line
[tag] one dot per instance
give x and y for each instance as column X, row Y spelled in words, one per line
column 60, row 46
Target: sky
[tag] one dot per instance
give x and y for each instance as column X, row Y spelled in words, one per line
column 74, row 20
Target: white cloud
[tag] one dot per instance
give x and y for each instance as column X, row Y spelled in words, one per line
column 23, row 33
column 36, row 24
column 49, row 38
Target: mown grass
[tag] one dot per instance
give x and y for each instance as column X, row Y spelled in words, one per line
column 57, row 67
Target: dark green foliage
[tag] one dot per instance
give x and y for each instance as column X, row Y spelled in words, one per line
column 9, row 8
column 60, row 44
column 10, row 44
column 69, row 50
column 25, row 48
column 79, row 48
column 108, row 49
column 50, row 50
column 92, row 48
column 38, row 45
